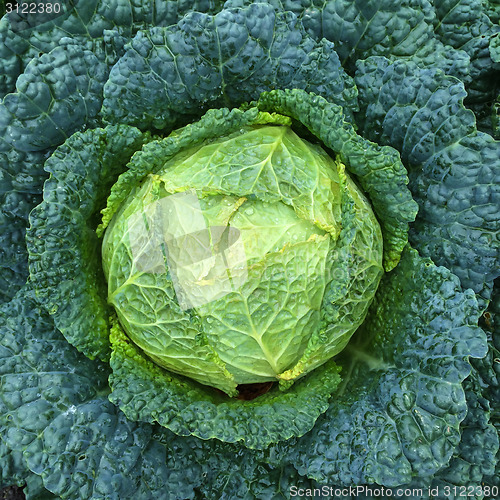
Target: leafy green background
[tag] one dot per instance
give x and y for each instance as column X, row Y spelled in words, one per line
column 427, row 76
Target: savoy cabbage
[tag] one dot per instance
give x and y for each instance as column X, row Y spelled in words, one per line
column 249, row 248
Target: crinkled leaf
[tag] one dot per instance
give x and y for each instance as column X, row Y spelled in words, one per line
column 67, row 276
column 102, row 27
column 493, row 10
column 474, row 458
column 21, row 178
column 488, row 371
column 459, row 214
column 34, row 489
column 460, row 21
column 81, row 446
column 9, row 63
column 403, row 419
column 13, row 469
column 21, row 384
column 214, row 124
column 54, row 401
column 207, row 61
column 363, row 28
column 378, row 169
column 488, row 368
column 223, row 476
column 465, row 25
column 495, row 108
column 247, row 478
column 454, row 170
column 495, row 118
column 495, row 48
column 59, row 93
column 473, row 463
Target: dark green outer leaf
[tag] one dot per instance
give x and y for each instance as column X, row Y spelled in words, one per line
column 496, row 119
column 60, row 88
column 10, row 64
column 91, row 23
column 152, row 475
column 208, row 61
column 493, row 10
column 474, row 458
column 53, row 401
column 488, row 371
column 495, row 48
column 464, row 24
column 454, row 170
column 488, row 368
column 21, row 175
column 402, row 419
column 363, row 28
column 67, row 432
column 64, row 255
column 245, row 478
column 34, row 489
column 474, row 463
column 59, row 93
column 13, row 469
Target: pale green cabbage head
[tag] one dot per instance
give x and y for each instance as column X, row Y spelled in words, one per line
column 246, row 259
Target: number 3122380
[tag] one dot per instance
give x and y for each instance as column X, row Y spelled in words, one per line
column 33, row 8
